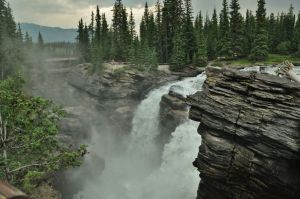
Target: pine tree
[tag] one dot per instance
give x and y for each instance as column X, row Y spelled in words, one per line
column 296, row 40
column 249, row 32
column 188, row 32
column 290, row 24
column 98, row 27
column 144, row 27
column 273, row 41
column 236, row 29
column 159, row 37
column 28, row 41
column 121, row 35
column 260, row 49
column 92, row 27
column 40, row 41
column 224, row 43
column 201, row 55
column 106, row 40
column 83, row 41
column 212, row 37
column 86, row 43
column 132, row 31
column 178, row 59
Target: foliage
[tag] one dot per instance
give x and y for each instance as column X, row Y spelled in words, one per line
column 29, row 144
column 236, row 29
column 232, row 36
column 178, row 60
column 260, row 48
column 10, row 41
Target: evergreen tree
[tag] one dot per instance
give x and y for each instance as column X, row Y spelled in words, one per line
column 83, row 41
column 188, row 32
column 28, row 41
column 201, row 56
column 290, row 24
column 106, row 40
column 132, row 31
column 249, row 32
column 86, row 43
column 272, row 40
column 296, row 40
column 212, row 37
column 40, row 41
column 260, row 49
column 92, row 27
column 178, row 60
column 172, row 15
column 98, row 27
column 121, row 35
column 159, row 37
column 236, row 29
column 144, row 27
column 151, row 31
column 224, row 43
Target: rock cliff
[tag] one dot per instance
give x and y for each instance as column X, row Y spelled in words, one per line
column 119, row 93
column 250, row 128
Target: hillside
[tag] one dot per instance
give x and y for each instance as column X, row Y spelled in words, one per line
column 50, row 34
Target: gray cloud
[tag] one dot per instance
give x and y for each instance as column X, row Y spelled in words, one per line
column 67, row 12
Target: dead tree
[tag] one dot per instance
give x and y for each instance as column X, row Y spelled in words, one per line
column 287, row 69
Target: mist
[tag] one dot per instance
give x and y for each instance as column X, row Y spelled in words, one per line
column 119, row 165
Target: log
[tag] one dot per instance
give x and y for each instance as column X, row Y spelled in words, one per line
column 9, row 192
column 288, row 70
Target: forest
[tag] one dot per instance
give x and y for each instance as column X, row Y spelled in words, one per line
column 168, row 33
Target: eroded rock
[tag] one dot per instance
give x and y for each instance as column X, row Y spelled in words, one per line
column 250, row 127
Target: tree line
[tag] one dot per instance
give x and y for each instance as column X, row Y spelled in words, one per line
column 170, row 34
column 10, row 41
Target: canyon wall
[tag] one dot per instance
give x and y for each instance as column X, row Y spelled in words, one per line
column 250, row 128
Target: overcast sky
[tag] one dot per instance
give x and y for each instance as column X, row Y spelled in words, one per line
column 66, row 13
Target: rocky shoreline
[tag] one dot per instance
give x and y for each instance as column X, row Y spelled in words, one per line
column 250, row 136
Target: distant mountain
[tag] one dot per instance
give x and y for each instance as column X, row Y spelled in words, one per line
column 50, row 34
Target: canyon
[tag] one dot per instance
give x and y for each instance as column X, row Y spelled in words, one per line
column 140, row 138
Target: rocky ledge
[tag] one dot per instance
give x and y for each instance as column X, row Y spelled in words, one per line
column 250, row 128
column 119, row 92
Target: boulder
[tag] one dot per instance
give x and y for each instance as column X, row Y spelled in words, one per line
column 250, row 128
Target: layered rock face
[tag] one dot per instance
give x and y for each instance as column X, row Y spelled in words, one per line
column 173, row 111
column 250, row 128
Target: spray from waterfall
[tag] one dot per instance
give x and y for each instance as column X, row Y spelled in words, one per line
column 139, row 171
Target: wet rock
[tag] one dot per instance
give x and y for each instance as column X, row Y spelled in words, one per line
column 250, row 128
column 119, row 93
column 173, row 111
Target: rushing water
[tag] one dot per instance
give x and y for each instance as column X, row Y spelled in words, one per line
column 141, row 171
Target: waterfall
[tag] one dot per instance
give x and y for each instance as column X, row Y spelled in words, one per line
column 139, row 171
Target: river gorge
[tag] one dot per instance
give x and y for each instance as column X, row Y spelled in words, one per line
column 141, row 143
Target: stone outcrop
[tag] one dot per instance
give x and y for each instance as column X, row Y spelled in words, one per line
column 250, row 128
column 119, row 93
column 173, row 111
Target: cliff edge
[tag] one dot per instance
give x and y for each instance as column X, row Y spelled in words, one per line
column 250, row 128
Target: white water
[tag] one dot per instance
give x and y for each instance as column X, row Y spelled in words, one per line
column 139, row 171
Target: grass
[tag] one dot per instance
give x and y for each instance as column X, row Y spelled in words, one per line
column 272, row 59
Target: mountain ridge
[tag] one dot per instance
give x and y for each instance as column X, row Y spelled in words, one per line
column 50, row 34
